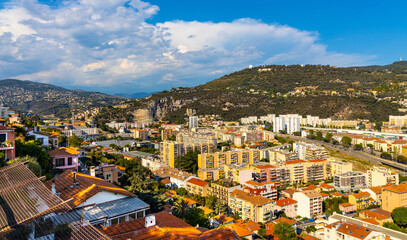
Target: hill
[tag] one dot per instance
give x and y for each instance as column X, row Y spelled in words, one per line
column 340, row 93
column 40, row 98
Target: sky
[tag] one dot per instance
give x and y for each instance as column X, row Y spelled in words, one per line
column 130, row 46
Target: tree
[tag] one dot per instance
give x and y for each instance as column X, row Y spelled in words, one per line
column 402, row 158
column 2, row 159
column 220, row 208
column 75, row 141
column 399, row 216
column 346, row 141
column 310, row 229
column 210, row 201
column 199, row 199
column 386, row 155
column 262, row 233
column 328, row 137
column 188, row 162
column 33, row 165
column 358, row 146
column 32, row 149
column 195, row 217
column 284, row 231
column 181, row 191
column 180, row 208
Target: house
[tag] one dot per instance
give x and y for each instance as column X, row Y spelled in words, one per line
column 287, row 205
column 7, row 143
column 65, row 158
column 46, row 139
column 98, row 201
column 163, row 225
column 220, row 219
column 326, row 187
column 109, row 172
column 241, row 230
column 177, row 177
column 381, row 216
column 378, row 176
column 360, row 200
column 347, row 208
column 309, row 203
column 197, row 187
column 190, row 203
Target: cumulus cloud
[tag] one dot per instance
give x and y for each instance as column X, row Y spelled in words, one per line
column 109, row 46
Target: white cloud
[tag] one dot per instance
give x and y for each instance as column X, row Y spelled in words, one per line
column 109, row 46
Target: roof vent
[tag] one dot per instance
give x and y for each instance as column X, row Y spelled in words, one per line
column 150, row 221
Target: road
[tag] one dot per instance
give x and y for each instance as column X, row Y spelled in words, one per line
column 353, row 153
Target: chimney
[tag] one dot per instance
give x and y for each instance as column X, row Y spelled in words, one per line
column 53, row 188
column 74, row 180
column 92, row 171
column 150, row 221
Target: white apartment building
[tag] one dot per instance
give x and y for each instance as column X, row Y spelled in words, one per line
column 290, row 123
column 193, row 122
column 309, row 203
column 351, row 180
column 338, row 167
column 378, row 176
column 3, row 112
column 249, row 120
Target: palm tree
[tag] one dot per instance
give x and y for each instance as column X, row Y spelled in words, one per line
column 219, row 207
column 180, row 208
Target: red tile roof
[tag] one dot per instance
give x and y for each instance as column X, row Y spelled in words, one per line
column 197, row 182
column 286, row 220
column 295, row 161
column 285, row 202
column 361, row 194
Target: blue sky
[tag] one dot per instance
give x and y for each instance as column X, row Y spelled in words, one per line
column 122, row 46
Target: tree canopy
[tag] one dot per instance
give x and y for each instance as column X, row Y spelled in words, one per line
column 399, row 216
column 284, row 231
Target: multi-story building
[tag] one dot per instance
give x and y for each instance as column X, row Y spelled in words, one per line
column 394, row 197
column 338, row 167
column 239, row 173
column 264, row 189
column 399, row 121
column 65, row 158
column 378, row 176
column 212, row 174
column 278, row 155
column 361, row 200
column 109, row 172
column 222, row 190
column 309, row 203
column 193, row 122
column 375, row 193
column 4, row 112
column 306, row 151
column 170, row 150
column 218, row 159
column 351, row 180
column 7, row 143
column 302, row 171
column 287, row 205
column 251, row 207
column 197, row 187
column 290, row 123
column 269, row 173
column 139, row 133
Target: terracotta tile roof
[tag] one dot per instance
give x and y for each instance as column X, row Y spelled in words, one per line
column 121, row 168
column 354, row 230
column 376, row 189
column 219, row 234
column 167, row 227
column 269, row 228
column 317, row 160
column 346, row 204
column 222, row 219
column 361, row 194
column 240, row 230
column 295, row 161
column 265, row 166
column 399, row 141
column 253, row 199
column 251, row 182
column 286, row 220
column 311, row 194
column 399, row 188
column 285, row 202
column 378, row 215
column 197, row 182
column 63, row 151
column 309, row 237
column 88, row 186
column 371, row 220
column 337, row 194
column 189, row 201
column 324, row 185
column 324, row 194
column 253, row 226
column 165, row 180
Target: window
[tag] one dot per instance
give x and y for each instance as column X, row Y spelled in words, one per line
column 114, row 221
column 132, row 216
column 108, row 176
column 69, row 160
column 60, row 162
column 3, row 137
column 140, row 214
column 122, row 219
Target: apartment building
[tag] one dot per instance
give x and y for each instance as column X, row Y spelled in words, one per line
column 240, row 173
column 287, row 205
column 375, row 193
column 170, row 150
column 218, row 159
column 251, row 207
column 290, row 123
column 269, row 173
column 212, row 174
column 264, row 189
column 193, row 122
column 338, row 167
column 222, row 190
column 197, row 187
column 399, row 121
column 7, row 142
column 394, row 197
column 302, row 171
column 277, row 155
column 140, row 133
column 361, row 200
column 306, row 151
column 351, row 180
column 4, row 113
column 378, row 176
column 381, row 146
column 309, row 203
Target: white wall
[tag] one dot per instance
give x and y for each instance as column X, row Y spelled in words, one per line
column 102, row 197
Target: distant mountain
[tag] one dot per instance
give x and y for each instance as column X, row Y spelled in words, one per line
column 399, row 66
column 325, row 91
column 135, row 95
column 40, row 98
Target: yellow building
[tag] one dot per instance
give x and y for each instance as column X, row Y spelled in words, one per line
column 381, row 146
column 361, row 200
column 218, row 159
column 394, row 197
column 251, row 207
column 170, row 150
column 238, row 173
column 340, row 167
column 302, row 171
column 222, row 190
column 212, row 174
column 197, row 187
